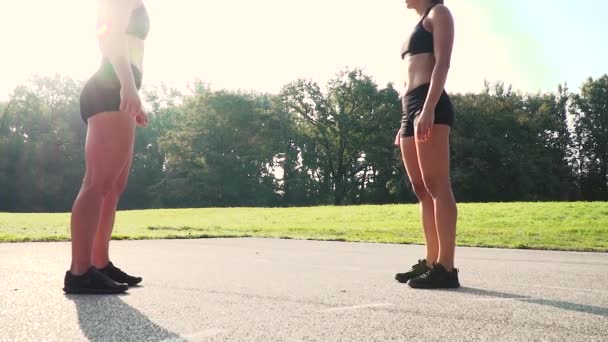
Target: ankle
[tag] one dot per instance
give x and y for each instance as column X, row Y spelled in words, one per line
column 78, row 270
column 446, row 266
column 101, row 263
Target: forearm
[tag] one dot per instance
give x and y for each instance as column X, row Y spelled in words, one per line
column 117, row 52
column 123, row 71
column 438, row 80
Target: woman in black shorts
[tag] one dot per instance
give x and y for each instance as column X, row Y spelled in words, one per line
column 424, row 140
column 111, row 108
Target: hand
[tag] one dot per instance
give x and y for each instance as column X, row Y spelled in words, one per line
column 398, row 138
column 424, row 124
column 129, row 101
column 141, row 119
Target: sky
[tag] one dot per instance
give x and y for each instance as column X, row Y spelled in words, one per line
column 263, row 45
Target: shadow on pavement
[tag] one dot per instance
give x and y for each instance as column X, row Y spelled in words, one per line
column 589, row 309
column 107, row 317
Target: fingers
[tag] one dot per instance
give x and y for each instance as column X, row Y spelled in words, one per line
column 133, row 108
column 427, row 135
column 142, row 119
column 130, row 106
column 126, row 107
column 423, row 132
column 420, row 132
column 424, row 135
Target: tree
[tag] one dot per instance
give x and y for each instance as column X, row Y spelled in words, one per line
column 306, row 146
column 338, row 127
column 590, row 110
column 41, row 146
column 219, row 154
column 509, row 147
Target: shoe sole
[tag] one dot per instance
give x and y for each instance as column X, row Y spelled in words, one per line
column 118, row 290
column 401, row 280
column 429, row 287
column 135, row 283
column 407, row 279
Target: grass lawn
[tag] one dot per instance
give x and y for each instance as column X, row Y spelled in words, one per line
column 563, row 226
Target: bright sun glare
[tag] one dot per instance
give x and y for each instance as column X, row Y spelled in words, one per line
column 262, row 46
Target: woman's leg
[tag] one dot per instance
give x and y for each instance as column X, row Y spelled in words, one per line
column 434, row 160
column 107, row 151
column 427, row 208
column 101, row 244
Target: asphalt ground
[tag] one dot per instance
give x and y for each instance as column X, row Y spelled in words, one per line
column 288, row 290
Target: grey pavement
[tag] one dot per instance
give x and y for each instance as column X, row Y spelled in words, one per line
column 287, row 290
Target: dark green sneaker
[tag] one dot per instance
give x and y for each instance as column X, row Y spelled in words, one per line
column 436, row 278
column 417, row 270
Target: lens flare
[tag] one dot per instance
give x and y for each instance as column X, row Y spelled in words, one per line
column 102, row 29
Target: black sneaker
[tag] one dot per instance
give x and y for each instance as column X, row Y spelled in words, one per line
column 436, row 278
column 92, row 282
column 119, row 276
column 417, row 270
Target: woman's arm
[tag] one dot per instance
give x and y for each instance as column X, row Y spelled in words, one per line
column 443, row 40
column 114, row 19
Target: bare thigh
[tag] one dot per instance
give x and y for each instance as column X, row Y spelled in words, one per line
column 409, row 155
column 434, row 158
column 123, row 177
column 108, row 148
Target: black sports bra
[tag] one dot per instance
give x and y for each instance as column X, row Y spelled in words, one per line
column 139, row 24
column 420, row 41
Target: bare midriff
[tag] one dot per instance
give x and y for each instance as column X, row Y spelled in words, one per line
column 418, row 70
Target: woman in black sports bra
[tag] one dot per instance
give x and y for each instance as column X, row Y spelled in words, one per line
column 424, row 140
column 111, row 108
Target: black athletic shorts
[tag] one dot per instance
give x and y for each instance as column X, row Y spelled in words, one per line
column 101, row 93
column 412, row 104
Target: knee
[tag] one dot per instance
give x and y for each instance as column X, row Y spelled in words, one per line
column 112, row 195
column 119, row 187
column 97, row 188
column 419, row 189
column 433, row 186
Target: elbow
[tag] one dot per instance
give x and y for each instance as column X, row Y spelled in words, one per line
column 441, row 68
column 114, row 46
column 442, row 65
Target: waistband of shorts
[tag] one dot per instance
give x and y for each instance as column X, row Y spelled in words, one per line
column 106, row 72
column 419, row 89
